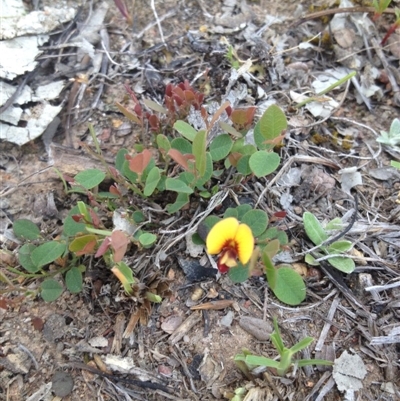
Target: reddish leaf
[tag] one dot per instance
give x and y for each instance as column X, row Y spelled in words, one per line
column 103, row 247
column 95, row 218
column 114, row 190
column 178, row 92
column 154, row 122
column 234, row 157
column 119, row 243
column 181, row 159
column 123, row 9
column 138, row 163
column 78, row 218
column 88, row 249
column 138, row 108
column 168, row 90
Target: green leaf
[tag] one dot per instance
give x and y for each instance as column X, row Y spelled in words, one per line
column 290, row 287
column 335, row 224
column 342, row 263
column 272, row 122
column 239, row 273
column 51, row 290
column 303, row 343
column 174, row 184
column 90, row 178
column 243, row 165
column 237, row 145
column 24, row 257
column 185, row 129
column 120, row 159
column 163, row 143
column 263, row 163
column 71, row 227
column 272, row 248
column 155, row 106
column 208, row 173
column 220, row 147
column 138, row 217
column 80, row 242
column 242, row 210
column 261, row 361
column 73, row 280
column 181, row 200
column 199, row 151
column 47, row 253
column 181, row 144
column 125, row 275
column 147, row 239
column 257, row 220
column 395, row 164
column 210, row 221
column 231, row 212
column 270, row 270
column 197, row 240
column 340, row 246
column 259, row 139
column 152, row 181
column 25, row 229
column 310, row 260
column 314, row 229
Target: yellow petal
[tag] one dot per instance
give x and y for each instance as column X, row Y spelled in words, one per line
column 220, row 234
column 245, row 243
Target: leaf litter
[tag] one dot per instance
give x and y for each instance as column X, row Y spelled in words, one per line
column 359, row 316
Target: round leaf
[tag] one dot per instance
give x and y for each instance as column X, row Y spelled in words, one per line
column 263, row 163
column 220, row 147
column 147, row 239
column 290, row 287
column 90, row 178
column 174, row 184
column 272, row 122
column 25, row 229
column 71, row 227
column 182, row 145
column 51, row 290
column 47, row 253
column 239, row 273
column 73, row 280
column 257, row 220
column 243, row 165
column 24, row 257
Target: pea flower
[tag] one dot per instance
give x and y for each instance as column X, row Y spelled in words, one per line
column 232, row 241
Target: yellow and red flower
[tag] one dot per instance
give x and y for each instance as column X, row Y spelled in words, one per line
column 232, row 241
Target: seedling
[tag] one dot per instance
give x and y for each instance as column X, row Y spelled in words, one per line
column 318, row 235
column 246, row 362
column 391, row 138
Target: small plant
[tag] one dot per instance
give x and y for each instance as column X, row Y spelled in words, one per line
column 246, row 362
column 380, row 7
column 391, row 138
column 319, row 234
column 234, row 242
column 180, row 162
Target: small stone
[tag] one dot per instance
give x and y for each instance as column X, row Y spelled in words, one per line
column 227, row 319
column 258, row 328
column 62, row 384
